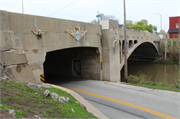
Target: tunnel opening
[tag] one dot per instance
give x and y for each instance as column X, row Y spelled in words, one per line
column 72, row 63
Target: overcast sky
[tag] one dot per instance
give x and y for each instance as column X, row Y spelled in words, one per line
column 86, row 10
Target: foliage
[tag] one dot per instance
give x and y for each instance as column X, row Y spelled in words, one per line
column 148, row 28
column 144, row 21
column 136, row 79
column 172, row 48
column 177, row 78
column 162, row 31
column 142, row 80
column 129, row 23
column 140, row 25
column 137, row 27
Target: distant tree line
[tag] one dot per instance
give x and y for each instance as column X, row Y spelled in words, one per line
column 140, row 25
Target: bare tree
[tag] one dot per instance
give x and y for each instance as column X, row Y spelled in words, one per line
column 95, row 21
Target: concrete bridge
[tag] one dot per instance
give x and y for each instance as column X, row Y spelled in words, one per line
column 57, row 48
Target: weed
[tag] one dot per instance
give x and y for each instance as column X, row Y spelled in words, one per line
column 19, row 113
column 177, row 86
column 39, row 105
column 153, row 83
column 18, row 101
column 5, row 106
column 50, row 102
column 48, row 110
column 4, row 87
column 44, row 113
column 10, row 98
column 19, row 94
column 30, row 110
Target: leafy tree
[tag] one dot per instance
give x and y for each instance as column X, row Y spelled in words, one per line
column 142, row 25
column 162, row 31
column 129, row 23
column 172, row 48
column 138, row 27
column 149, row 28
column 144, row 21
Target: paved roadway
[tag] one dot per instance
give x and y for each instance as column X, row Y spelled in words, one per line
column 119, row 102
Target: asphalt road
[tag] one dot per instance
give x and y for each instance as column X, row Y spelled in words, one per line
column 161, row 107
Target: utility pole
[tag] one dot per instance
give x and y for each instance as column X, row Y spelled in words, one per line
column 125, row 45
column 160, row 21
column 22, row 7
column 98, row 14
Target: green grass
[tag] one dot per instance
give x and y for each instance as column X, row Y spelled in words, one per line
column 25, row 102
column 154, row 85
column 142, row 80
column 19, row 113
column 173, row 62
column 30, row 110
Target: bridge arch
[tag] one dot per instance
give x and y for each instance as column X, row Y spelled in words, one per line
column 145, row 47
column 141, row 48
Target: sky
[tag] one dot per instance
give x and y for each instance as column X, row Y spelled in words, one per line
column 86, row 10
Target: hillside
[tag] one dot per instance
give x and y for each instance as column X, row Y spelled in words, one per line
column 30, row 102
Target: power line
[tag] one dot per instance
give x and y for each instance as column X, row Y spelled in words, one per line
column 72, row 11
column 76, row 9
column 50, row 15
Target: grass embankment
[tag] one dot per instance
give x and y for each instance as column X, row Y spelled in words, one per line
column 28, row 102
column 142, row 80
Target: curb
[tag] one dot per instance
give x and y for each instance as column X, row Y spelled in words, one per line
column 91, row 109
column 162, row 93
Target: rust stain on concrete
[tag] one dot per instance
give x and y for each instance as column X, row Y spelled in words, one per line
column 35, row 51
column 24, row 65
column 18, row 68
column 36, row 67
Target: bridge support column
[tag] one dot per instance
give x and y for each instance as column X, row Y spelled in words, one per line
column 110, row 54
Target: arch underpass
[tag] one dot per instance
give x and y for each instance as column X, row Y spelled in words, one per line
column 146, row 50
column 72, row 62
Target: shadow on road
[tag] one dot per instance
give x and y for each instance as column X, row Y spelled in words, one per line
column 59, row 79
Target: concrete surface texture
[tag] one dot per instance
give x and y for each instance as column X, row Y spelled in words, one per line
column 20, row 46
